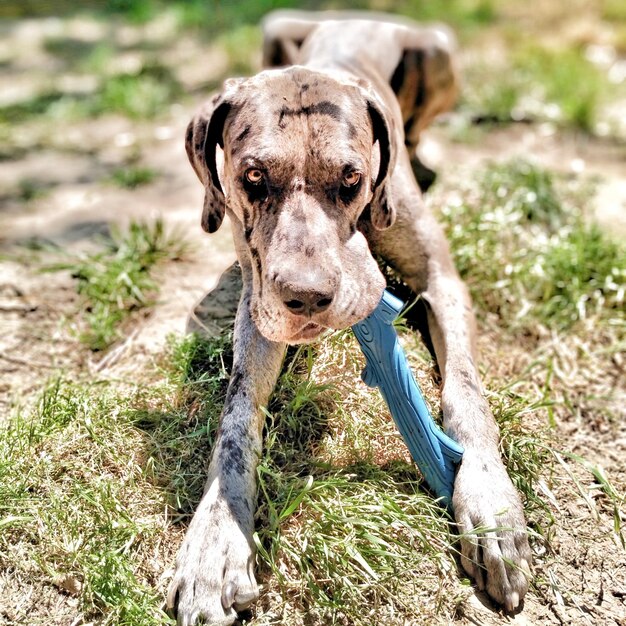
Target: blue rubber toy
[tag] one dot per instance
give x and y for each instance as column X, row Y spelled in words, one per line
column 434, row 452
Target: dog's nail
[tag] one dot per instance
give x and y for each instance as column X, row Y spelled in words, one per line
column 228, row 595
column 244, row 600
column 172, row 598
column 512, row 602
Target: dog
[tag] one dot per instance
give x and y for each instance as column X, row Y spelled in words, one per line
column 313, row 161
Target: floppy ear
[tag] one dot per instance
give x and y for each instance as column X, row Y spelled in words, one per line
column 382, row 210
column 204, row 133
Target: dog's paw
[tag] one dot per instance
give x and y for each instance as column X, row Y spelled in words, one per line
column 214, row 577
column 494, row 541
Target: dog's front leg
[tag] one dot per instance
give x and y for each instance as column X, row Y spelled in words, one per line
column 486, row 505
column 214, row 575
column 487, row 508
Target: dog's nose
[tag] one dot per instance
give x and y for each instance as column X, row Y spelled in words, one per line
column 306, row 297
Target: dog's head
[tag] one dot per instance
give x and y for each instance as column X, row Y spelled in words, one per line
column 304, row 155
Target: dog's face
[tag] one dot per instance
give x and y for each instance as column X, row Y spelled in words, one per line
column 304, row 154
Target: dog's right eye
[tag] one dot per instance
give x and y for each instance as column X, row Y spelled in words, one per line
column 255, row 184
column 254, row 176
column 351, row 179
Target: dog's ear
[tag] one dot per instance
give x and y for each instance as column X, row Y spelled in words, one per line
column 382, row 210
column 204, row 133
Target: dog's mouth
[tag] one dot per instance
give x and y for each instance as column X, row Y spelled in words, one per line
column 308, row 332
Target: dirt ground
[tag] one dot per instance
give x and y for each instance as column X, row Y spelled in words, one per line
column 37, row 337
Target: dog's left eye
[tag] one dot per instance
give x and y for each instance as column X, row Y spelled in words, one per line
column 351, row 179
column 254, row 176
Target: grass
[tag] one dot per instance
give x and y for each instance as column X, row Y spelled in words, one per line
column 70, row 518
column 465, row 15
column 91, row 477
column 96, row 480
column 539, row 84
column 241, row 44
column 117, row 282
column 131, row 177
column 99, row 480
column 144, row 94
column 529, row 256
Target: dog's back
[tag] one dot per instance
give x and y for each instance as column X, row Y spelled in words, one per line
column 397, row 55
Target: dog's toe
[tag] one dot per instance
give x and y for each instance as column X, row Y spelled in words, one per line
column 239, row 595
column 193, row 609
column 494, row 542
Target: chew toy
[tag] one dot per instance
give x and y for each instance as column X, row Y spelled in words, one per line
column 435, row 454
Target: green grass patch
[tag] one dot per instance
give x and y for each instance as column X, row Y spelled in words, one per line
column 523, row 247
column 465, row 15
column 117, row 282
column 71, row 478
column 566, row 80
column 88, row 477
column 145, row 94
column 142, row 95
column 352, row 543
column 537, row 83
column 96, row 467
column 131, row 177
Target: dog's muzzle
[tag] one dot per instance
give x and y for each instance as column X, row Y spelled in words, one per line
column 306, row 292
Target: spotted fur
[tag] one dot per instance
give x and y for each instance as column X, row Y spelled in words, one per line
column 353, row 96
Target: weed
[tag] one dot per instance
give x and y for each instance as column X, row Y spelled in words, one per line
column 144, row 94
column 140, row 95
column 538, row 84
column 68, row 513
column 465, row 14
column 117, row 282
column 131, row 177
column 527, row 254
column 30, row 189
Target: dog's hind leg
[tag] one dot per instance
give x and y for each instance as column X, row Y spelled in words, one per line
column 425, row 82
column 214, row 575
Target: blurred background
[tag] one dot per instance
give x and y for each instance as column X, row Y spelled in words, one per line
column 94, row 95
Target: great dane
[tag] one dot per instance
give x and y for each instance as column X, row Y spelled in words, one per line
column 313, row 162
